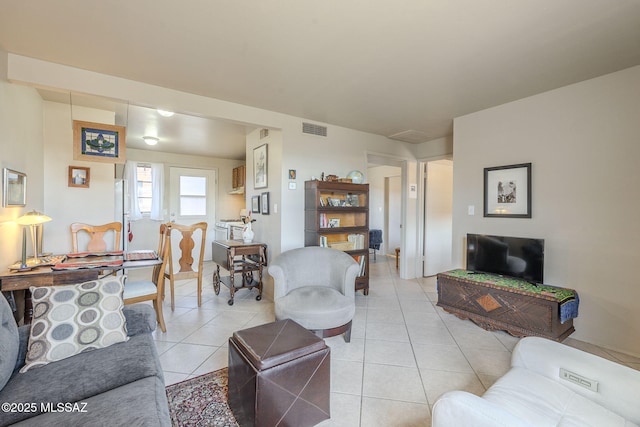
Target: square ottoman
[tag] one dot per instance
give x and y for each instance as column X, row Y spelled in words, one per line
column 279, row 375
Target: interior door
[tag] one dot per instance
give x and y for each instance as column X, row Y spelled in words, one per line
column 394, row 214
column 192, row 199
column 438, row 211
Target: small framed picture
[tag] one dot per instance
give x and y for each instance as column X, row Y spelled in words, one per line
column 264, row 203
column 507, row 191
column 14, row 188
column 334, row 222
column 79, row 176
column 255, row 204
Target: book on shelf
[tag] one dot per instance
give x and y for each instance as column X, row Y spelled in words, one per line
column 362, row 266
column 342, row 246
column 323, row 220
column 361, row 262
column 357, row 240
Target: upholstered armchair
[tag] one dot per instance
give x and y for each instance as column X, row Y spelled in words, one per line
column 315, row 287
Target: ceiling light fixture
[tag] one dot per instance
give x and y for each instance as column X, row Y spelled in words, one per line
column 151, row 140
column 165, row 113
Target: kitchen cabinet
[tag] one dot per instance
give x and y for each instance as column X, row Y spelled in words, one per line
column 238, row 179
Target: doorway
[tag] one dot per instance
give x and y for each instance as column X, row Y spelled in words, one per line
column 386, row 201
column 192, row 199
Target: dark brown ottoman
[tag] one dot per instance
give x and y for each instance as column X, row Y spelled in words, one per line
column 279, row 375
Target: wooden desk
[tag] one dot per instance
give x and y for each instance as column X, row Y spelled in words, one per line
column 42, row 276
column 46, row 276
column 239, row 258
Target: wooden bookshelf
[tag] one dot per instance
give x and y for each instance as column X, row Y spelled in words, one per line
column 337, row 216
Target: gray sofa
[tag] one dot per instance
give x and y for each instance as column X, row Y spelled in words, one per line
column 121, row 384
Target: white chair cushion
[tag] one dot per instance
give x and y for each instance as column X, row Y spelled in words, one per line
column 138, row 289
column 316, row 307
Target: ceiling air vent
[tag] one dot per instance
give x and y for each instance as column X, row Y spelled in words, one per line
column 410, row 136
column 264, row 133
column 312, row 129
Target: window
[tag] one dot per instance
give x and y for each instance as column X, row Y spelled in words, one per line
column 144, row 183
column 145, row 187
column 193, row 195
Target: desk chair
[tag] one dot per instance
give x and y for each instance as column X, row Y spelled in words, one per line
column 375, row 240
column 152, row 290
column 97, row 233
column 186, row 260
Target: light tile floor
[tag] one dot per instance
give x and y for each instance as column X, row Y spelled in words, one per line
column 404, row 352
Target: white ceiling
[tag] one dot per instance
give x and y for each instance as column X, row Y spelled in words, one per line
column 380, row 66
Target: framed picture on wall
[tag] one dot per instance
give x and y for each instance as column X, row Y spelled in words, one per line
column 98, row 142
column 255, row 204
column 507, row 191
column 260, row 164
column 79, row 176
column 265, row 203
column 14, row 188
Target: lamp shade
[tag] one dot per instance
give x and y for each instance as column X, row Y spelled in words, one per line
column 33, row 218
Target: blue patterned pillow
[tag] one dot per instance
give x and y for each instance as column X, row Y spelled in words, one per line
column 72, row 319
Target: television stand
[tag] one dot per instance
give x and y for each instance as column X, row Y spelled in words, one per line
column 512, row 305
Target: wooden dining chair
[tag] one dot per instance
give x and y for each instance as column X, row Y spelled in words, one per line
column 186, row 261
column 152, row 290
column 97, row 242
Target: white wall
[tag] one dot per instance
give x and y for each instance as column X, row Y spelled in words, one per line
column 435, row 148
column 21, row 150
column 582, row 141
column 268, row 228
column 64, row 204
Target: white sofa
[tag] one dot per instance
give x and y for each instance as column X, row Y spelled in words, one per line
column 536, row 392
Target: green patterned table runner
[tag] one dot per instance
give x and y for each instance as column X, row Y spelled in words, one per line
column 560, row 294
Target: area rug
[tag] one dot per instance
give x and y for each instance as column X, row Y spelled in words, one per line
column 201, row 401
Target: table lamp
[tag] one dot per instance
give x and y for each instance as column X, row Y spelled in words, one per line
column 32, row 219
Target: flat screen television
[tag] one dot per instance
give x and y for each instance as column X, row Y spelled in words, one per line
column 506, row 256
